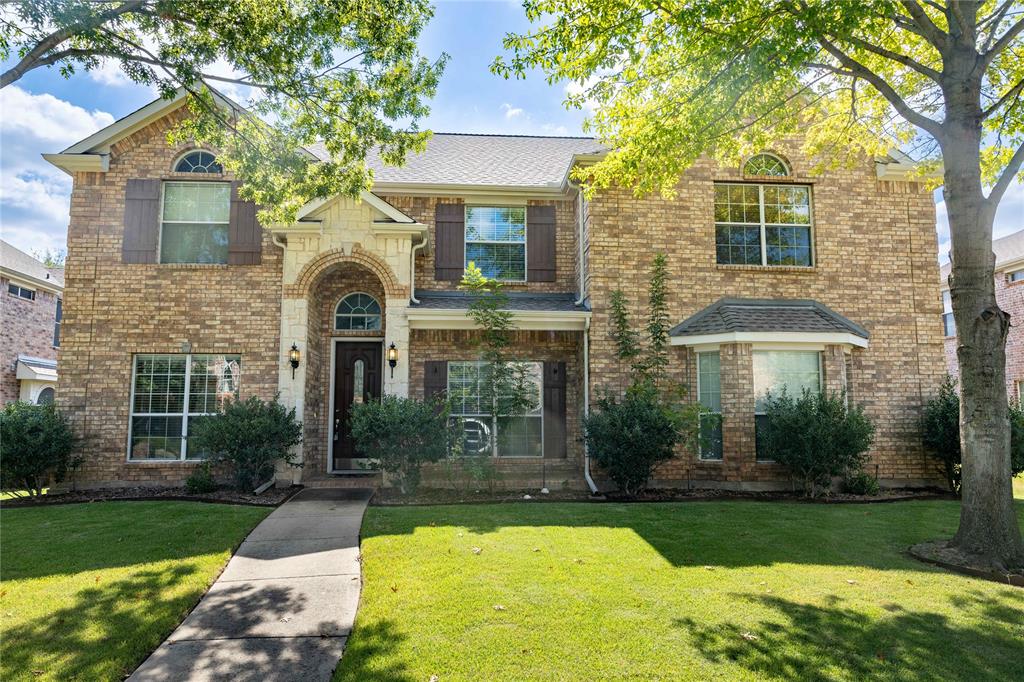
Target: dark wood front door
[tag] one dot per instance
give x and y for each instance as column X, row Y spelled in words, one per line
column 357, row 378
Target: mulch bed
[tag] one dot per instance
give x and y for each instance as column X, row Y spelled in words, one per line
column 270, row 498
column 939, row 553
column 427, row 496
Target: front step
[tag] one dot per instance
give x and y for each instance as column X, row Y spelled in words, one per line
column 345, row 481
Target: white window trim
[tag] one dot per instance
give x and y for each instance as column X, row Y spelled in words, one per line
column 22, row 287
column 526, row 238
column 494, row 425
column 746, row 162
column 334, row 323
column 179, row 157
column 700, row 446
column 185, row 414
column 1016, row 275
column 821, row 387
column 160, row 235
column 947, row 295
column 762, row 225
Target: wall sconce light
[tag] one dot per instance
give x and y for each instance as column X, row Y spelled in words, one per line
column 392, row 358
column 293, row 357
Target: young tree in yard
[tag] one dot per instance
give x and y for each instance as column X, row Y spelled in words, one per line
column 346, row 73
column 671, row 80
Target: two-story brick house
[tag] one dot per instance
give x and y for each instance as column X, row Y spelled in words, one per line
column 176, row 298
column 30, row 322
column 1009, row 283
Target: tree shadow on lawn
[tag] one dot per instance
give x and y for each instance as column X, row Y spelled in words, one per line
column 367, row 654
column 728, row 534
column 803, row 641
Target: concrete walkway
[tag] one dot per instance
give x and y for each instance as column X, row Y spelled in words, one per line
column 284, row 605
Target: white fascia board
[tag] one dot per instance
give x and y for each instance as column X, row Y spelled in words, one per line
column 522, row 319
column 29, row 373
column 79, row 163
column 1011, row 264
column 103, row 139
column 384, row 207
column 31, row 282
column 837, row 338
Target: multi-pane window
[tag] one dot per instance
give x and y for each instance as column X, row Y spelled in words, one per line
column 948, row 324
column 763, row 224
column 496, row 241
column 194, row 225
column 775, row 371
column 357, row 312
column 519, row 435
column 1015, row 276
column 21, row 292
column 765, row 164
column 56, row 323
column 709, row 393
column 198, row 162
column 170, row 393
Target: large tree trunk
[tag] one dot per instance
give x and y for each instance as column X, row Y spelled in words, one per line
column 988, row 531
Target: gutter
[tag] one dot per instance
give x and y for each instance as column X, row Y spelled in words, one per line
column 586, row 406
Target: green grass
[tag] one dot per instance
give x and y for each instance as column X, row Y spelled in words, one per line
column 89, row 590
column 692, row 591
column 1018, row 487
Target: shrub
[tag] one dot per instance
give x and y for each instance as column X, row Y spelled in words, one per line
column 940, row 432
column 201, row 480
column 861, row 483
column 629, row 438
column 37, row 442
column 251, row 436
column 400, row 434
column 816, row 437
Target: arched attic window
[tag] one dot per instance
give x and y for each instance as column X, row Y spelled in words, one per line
column 766, row 164
column 198, row 161
column 357, row 312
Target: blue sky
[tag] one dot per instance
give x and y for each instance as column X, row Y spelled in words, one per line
column 45, row 113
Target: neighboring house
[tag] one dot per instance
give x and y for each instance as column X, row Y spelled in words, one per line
column 178, row 299
column 1009, row 281
column 30, row 322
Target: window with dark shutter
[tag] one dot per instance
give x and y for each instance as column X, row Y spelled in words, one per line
column 554, row 410
column 540, row 244
column 141, row 221
column 245, row 236
column 449, row 242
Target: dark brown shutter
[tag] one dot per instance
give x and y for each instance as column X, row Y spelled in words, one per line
column 554, row 410
column 540, row 244
column 449, row 242
column 141, row 221
column 245, row 236
column 435, row 379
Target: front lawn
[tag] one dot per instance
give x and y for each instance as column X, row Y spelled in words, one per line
column 691, row 591
column 89, row 590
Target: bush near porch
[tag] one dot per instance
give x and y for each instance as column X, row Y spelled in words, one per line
column 691, row 591
column 89, row 590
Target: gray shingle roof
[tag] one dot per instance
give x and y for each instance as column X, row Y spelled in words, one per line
column 498, row 160
column 1007, row 249
column 20, row 262
column 766, row 315
column 517, row 300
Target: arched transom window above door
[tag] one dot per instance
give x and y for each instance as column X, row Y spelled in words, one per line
column 357, row 312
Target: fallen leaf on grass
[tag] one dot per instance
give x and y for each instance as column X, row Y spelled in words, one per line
column 535, row 549
column 499, row 607
column 749, row 636
column 435, row 678
column 477, row 550
column 394, row 588
column 710, row 568
column 851, row 582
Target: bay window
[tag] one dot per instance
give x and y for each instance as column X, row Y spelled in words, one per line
column 170, row 393
column 774, row 371
column 709, row 393
column 511, row 435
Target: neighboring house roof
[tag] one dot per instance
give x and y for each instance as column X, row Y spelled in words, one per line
column 460, row 159
column 1009, row 250
column 517, row 301
column 36, row 369
column 753, row 319
column 17, row 264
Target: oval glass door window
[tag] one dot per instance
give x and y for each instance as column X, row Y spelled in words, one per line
column 358, row 380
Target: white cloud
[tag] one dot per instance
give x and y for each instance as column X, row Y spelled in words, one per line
column 34, row 195
column 511, row 111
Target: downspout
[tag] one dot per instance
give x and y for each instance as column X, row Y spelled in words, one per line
column 412, row 270
column 277, row 241
column 586, row 404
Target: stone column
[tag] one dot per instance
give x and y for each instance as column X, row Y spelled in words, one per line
column 397, row 332
column 294, row 328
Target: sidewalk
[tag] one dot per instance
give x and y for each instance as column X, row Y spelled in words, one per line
column 284, row 605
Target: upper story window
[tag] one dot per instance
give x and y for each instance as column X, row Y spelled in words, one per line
column 194, row 222
column 357, row 312
column 198, row 162
column 21, row 292
column 948, row 325
column 766, row 164
column 496, row 241
column 1015, row 276
column 763, row 224
column 56, row 323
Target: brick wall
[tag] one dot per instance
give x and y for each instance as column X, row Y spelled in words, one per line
column 875, row 246
column 1010, row 297
column 112, row 311
column 26, row 328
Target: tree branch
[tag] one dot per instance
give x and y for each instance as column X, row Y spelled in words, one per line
column 1007, row 96
column 916, row 118
column 928, row 29
column 1001, row 44
column 894, row 56
column 1011, row 170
